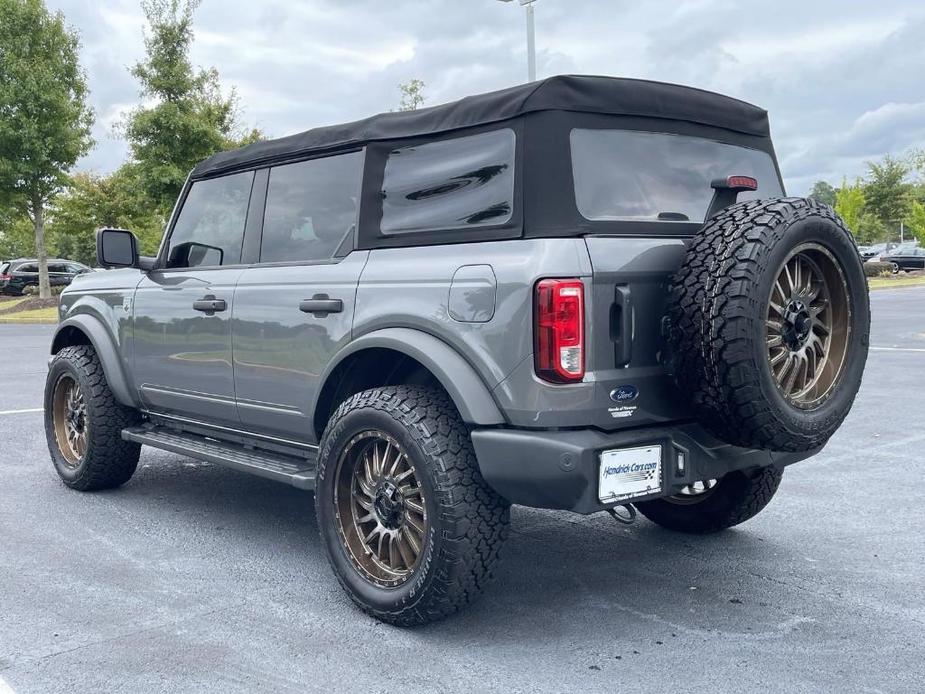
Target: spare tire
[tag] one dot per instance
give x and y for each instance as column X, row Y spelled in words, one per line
column 769, row 324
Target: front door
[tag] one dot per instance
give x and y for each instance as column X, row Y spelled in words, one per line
column 294, row 308
column 182, row 310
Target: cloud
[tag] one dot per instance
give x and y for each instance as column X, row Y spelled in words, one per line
column 842, row 81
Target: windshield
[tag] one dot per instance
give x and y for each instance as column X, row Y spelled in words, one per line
column 640, row 176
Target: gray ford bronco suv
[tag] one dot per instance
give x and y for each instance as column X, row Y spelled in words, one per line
column 583, row 293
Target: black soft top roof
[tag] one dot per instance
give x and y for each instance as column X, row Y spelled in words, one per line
column 586, row 94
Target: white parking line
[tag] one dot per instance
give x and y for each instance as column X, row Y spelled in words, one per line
column 33, row 409
column 5, row 688
column 897, row 349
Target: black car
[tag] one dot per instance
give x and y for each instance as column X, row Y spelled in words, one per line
column 905, row 258
column 16, row 275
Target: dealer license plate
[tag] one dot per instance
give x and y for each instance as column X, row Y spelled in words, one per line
column 628, row 473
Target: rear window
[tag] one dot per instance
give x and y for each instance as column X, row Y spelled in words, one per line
column 623, row 175
column 461, row 183
column 4, row 267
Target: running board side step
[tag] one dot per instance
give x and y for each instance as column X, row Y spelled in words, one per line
column 297, row 471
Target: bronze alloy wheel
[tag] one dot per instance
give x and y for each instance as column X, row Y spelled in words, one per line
column 379, row 506
column 808, row 325
column 693, row 493
column 69, row 411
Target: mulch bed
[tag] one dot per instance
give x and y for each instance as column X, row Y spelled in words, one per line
column 30, row 304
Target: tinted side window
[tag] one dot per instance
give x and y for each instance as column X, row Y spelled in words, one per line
column 210, row 228
column 58, row 267
column 28, row 267
column 311, row 208
column 461, row 183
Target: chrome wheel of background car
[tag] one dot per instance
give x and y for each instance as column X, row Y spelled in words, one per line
column 70, row 420
column 380, row 510
column 894, row 268
column 694, row 492
column 807, row 325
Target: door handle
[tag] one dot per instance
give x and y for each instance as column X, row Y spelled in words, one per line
column 210, row 305
column 622, row 325
column 321, row 305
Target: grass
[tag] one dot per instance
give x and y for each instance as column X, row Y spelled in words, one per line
column 37, row 315
column 895, row 282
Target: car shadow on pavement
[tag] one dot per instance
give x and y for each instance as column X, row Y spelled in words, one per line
column 558, row 573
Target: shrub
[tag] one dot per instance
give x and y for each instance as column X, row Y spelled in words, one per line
column 877, row 269
column 33, row 290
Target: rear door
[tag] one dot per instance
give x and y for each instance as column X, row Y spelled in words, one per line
column 183, row 308
column 294, row 308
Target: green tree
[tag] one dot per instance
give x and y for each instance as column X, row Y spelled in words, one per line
column 850, row 203
column 887, row 193
column 94, row 201
column 17, row 237
column 916, row 220
column 190, row 119
column 412, row 95
column 45, row 124
column 823, row 192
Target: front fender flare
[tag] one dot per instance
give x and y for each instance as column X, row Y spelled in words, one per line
column 102, row 342
column 464, row 386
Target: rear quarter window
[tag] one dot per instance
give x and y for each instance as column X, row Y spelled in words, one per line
column 461, row 183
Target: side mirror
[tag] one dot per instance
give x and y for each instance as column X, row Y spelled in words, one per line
column 116, row 248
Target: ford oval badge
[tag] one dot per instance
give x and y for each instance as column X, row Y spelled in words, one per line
column 624, row 393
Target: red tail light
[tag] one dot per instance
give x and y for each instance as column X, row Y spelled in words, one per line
column 560, row 330
column 5, row 278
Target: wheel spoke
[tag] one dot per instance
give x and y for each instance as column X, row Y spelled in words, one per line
column 412, row 540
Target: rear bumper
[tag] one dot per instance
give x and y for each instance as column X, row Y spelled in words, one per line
column 560, row 469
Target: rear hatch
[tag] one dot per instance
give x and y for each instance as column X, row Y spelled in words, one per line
column 658, row 184
column 628, row 348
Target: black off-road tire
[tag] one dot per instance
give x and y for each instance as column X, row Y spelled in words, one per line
column 109, row 461
column 736, row 497
column 717, row 313
column 469, row 521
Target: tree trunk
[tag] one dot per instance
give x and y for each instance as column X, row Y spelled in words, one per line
column 38, row 218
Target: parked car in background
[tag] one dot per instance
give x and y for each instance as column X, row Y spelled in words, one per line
column 907, row 257
column 17, row 275
column 876, row 251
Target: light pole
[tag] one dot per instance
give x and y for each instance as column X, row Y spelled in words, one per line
column 531, row 41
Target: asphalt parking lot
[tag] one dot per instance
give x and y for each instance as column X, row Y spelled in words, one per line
column 196, row 578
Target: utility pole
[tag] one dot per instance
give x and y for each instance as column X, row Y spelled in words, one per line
column 531, row 39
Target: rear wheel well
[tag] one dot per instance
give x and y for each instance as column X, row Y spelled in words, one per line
column 368, row 368
column 69, row 337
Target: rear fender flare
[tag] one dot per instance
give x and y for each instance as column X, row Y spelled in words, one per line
column 460, row 380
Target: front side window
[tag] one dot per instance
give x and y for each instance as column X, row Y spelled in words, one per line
column 311, row 208
column 461, row 183
column 210, row 229
column 624, row 175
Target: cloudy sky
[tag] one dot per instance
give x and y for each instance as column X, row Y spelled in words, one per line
column 844, row 80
